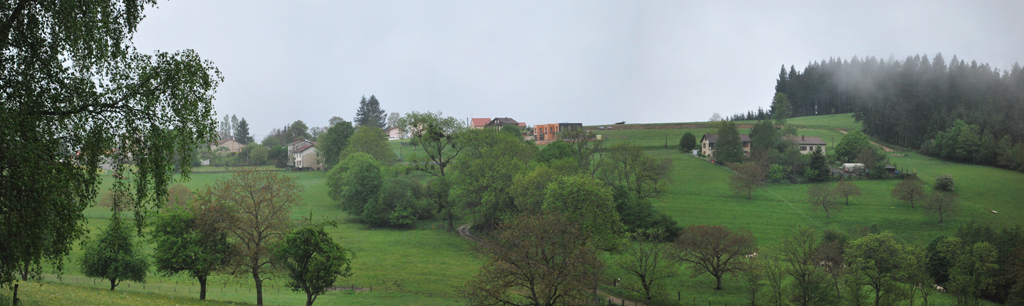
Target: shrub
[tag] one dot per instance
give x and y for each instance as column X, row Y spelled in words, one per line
column 944, row 183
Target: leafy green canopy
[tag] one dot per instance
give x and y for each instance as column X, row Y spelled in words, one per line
column 114, row 256
column 313, row 261
column 196, row 243
column 586, row 200
column 851, row 145
column 730, row 146
column 75, row 95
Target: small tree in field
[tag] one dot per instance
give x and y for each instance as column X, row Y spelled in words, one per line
column 909, row 190
column 846, row 189
column 715, row 250
column 747, row 178
column 649, row 261
column 313, row 261
column 114, row 256
column 942, row 204
column 944, row 183
column 193, row 239
column 688, row 142
column 821, row 195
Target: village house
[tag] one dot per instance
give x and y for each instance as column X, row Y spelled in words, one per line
column 303, row 155
column 707, row 144
column 229, row 143
column 548, row 133
column 499, row 122
column 808, row 144
column 479, row 123
column 394, row 133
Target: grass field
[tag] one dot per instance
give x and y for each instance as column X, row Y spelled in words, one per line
column 426, row 265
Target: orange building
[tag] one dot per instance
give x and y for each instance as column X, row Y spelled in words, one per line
column 547, row 133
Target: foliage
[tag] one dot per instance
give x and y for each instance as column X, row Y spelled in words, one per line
column 729, row 147
column 370, row 140
column 313, row 261
column 528, row 188
column 261, row 202
column 649, row 261
column 332, row 142
column 809, row 285
column 777, row 172
column 76, row 94
column 556, row 150
column 973, row 270
column 687, row 142
column 640, row 216
column 258, row 155
column 482, row 186
column 587, row 201
column 882, row 261
column 114, row 256
column 850, row 146
column 536, row 260
column 715, row 250
column 193, row 239
column 764, row 137
column 781, row 108
column 824, row 196
column 846, row 189
column 370, row 114
column 297, row 131
column 874, row 160
column 944, row 183
column 910, row 189
column 241, row 132
column 398, row 204
column 438, row 136
column 354, row 182
column 585, row 148
column 642, row 175
column 818, row 170
column 747, row 178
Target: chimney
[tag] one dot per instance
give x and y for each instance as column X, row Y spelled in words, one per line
column 801, row 137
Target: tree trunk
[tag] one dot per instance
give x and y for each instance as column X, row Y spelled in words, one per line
column 25, row 269
column 259, row 287
column 14, row 301
column 718, row 281
column 112, row 284
column 202, row 288
column 310, row 298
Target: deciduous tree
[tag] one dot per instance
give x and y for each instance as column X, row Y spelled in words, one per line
column 585, row 148
column 649, row 261
column 942, row 204
column 262, row 203
column 714, row 249
column 536, row 260
column 193, row 239
column 910, row 189
column 846, row 189
column 800, row 253
column 313, row 261
column 882, row 261
column 642, row 175
column 332, row 142
column 354, row 182
column 729, row 147
column 590, row 204
column 482, row 185
column 851, row 145
column 822, row 195
column 747, row 178
column 370, row 140
column 76, row 94
column 688, row 142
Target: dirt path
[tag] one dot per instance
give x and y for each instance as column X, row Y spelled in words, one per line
column 884, row 148
column 464, row 232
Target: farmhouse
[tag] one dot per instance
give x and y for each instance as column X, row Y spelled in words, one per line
column 393, row 132
column 229, row 143
column 479, row 123
column 499, row 122
column 547, row 133
column 707, row 144
column 807, row 144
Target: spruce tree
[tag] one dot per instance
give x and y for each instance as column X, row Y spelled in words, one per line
column 242, row 132
column 370, row 113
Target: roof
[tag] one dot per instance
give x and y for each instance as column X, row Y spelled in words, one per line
column 503, row 121
column 522, row 124
column 481, row 121
column 303, row 147
column 225, row 140
column 803, row 140
column 712, row 138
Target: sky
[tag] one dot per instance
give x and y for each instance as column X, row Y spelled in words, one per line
column 540, row 62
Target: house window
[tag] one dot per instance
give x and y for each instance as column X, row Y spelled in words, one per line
column 803, row 148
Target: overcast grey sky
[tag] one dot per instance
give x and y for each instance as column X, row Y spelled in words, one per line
column 594, row 62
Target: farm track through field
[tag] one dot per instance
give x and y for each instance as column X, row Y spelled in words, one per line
column 464, row 232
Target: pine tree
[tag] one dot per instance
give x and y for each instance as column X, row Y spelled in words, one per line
column 242, row 132
column 370, row 113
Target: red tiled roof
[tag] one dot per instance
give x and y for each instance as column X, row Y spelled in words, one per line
column 304, row 147
column 712, row 138
column 480, row 121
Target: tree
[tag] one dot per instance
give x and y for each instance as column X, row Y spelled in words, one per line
column 910, row 189
column 846, row 189
column 882, row 261
column 77, row 94
column 242, row 132
column 780, row 108
column 371, row 141
column 942, row 204
column 437, row 136
column 482, row 184
column 818, row 170
column 313, row 260
column 748, row 177
column 556, row 150
column 764, row 137
column 114, row 256
column 297, row 131
column 393, row 119
column 874, row 160
column 334, row 141
column 821, row 195
column 753, row 277
column 944, row 183
column 536, row 260
column 851, row 145
column 728, row 148
column 258, row 155
column 262, row 202
column 641, row 174
column 224, row 129
column 688, row 142
column 649, row 261
column 972, row 271
column 714, row 249
column 193, row 239
column 800, row 253
column 355, row 182
column 584, row 148
column 369, row 113
column 587, row 201
column 715, row 117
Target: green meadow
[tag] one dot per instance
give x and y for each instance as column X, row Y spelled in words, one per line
column 427, row 265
